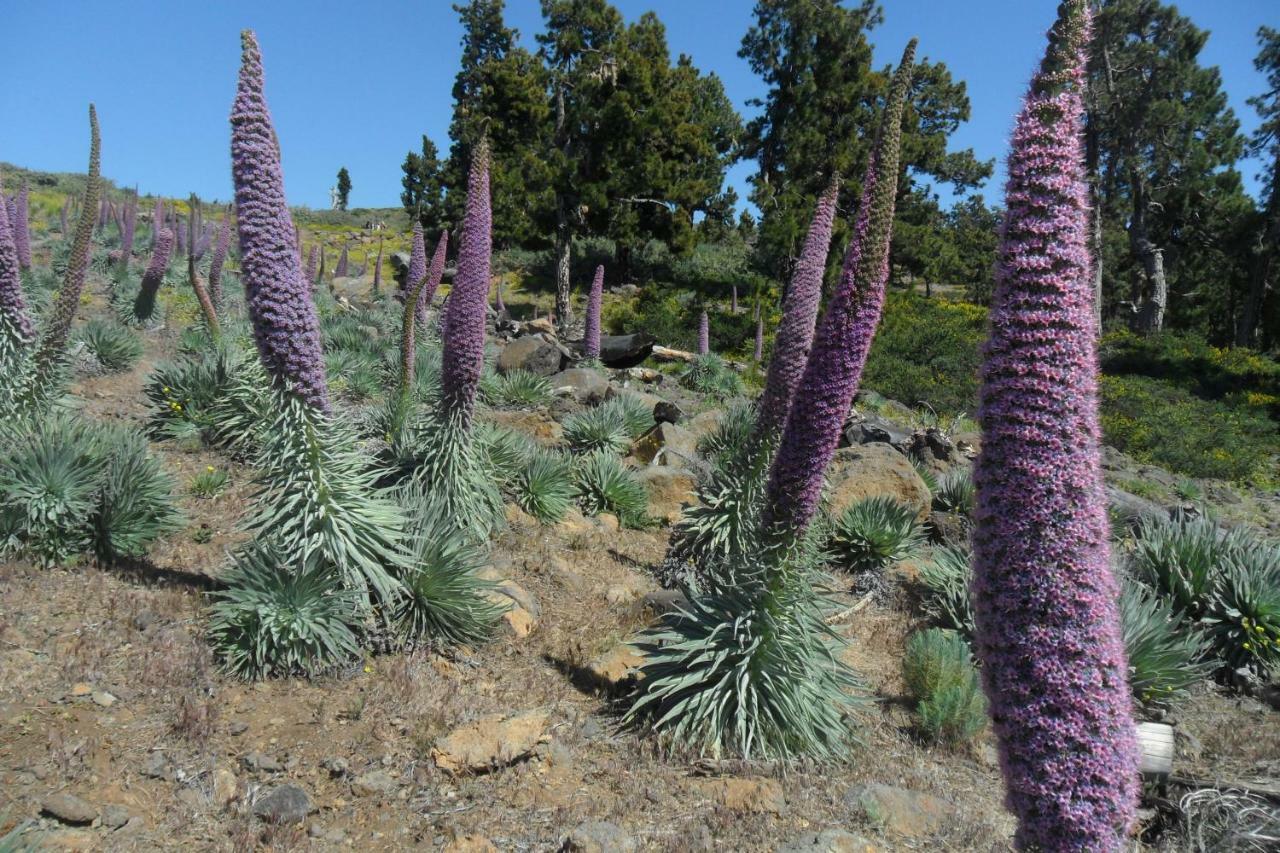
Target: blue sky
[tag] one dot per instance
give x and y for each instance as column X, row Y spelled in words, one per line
column 356, row 84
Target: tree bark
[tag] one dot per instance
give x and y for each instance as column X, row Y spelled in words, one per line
column 1264, row 267
column 1151, row 294
column 564, row 236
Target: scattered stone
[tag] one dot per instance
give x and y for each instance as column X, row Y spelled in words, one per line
column 114, row 816
column 470, row 844
column 933, row 449
column 516, row 517
column 616, row 666
column 619, row 594
column 574, row 523
column 135, row 824
column 599, row 836
column 533, row 353
column 647, row 375
column 490, row 742
column 69, row 841
column 103, row 699
column 749, row 794
column 829, row 841
column 238, row 727
column 625, row 350
column 336, row 765
column 704, row 423
column 284, row 804
column 81, row 690
column 225, row 787
column 666, row 412
column 608, row 521
column 585, row 385
column 663, row 601
column 874, row 430
column 670, row 490
column 143, row 620
column 376, row 782
column 871, row 470
column 665, row 444
column 948, row 528
column 968, row 443
column 262, row 762
column 69, row 808
column 900, row 812
column 155, row 766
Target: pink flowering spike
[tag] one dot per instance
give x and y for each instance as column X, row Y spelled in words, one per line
column 733, row 302
column 219, row 257
column 21, row 227
column 57, row 329
column 340, row 271
column 498, row 304
column 465, row 313
column 144, row 305
column 822, row 399
column 759, row 350
column 799, row 314
column 1048, row 632
column 64, row 214
column 430, row 283
column 312, row 260
column 285, row 325
column 417, row 267
column 14, row 319
column 129, row 223
column 591, row 338
column 704, row 335
column 377, row 270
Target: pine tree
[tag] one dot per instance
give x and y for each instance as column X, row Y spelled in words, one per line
column 1265, row 143
column 344, row 187
column 423, row 189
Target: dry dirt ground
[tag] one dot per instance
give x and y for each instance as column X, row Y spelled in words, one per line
column 108, row 692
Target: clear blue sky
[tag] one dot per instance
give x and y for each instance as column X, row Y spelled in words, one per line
column 356, row 84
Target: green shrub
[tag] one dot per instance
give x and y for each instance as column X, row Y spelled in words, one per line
column 516, row 389
column 1165, row 653
column 114, row 346
column 280, row 617
column 946, row 582
column 940, row 676
column 208, row 482
column 875, row 532
column 601, row 428
column 955, row 492
column 605, row 484
column 545, row 488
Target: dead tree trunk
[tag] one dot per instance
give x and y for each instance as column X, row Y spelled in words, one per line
column 1151, row 293
column 564, row 237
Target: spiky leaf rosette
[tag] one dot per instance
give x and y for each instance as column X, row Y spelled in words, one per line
column 219, row 258
column 136, row 505
column 591, row 336
column 1044, row 597
column 465, row 315
column 316, row 493
column 834, row 369
column 1165, row 653
column 444, row 597
column 750, row 671
column 875, row 532
column 285, row 326
column 545, row 488
column 15, row 323
column 605, row 484
column 144, row 306
column 447, row 464
column 283, row 613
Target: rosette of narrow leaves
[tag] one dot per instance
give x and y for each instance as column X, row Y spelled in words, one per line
column 316, row 493
column 444, row 460
column 748, row 671
column 875, row 532
column 515, row 389
column 1166, row 653
column 504, row 451
column 602, row 428
column 115, row 347
column 591, row 336
column 1049, row 634
column 727, row 444
column 954, row 492
column 635, row 416
column 1243, row 621
column 1183, row 560
column 444, row 599
column 710, row 374
column 545, row 488
column 606, row 484
column 283, row 613
column 135, row 506
column 946, row 580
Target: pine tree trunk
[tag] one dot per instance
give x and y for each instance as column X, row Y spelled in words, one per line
column 1151, row 296
column 564, row 308
column 1264, row 267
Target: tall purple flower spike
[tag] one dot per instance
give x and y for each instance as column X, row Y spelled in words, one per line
column 498, row 304
column 13, row 309
column 219, row 257
column 1044, row 597
column 340, row 271
column 704, row 335
column 181, row 230
column 377, row 269
column 799, row 315
column 21, row 226
column 144, row 305
column 465, row 313
column 591, row 338
column 821, row 401
column 285, row 325
column 417, row 269
column 64, row 215
column 759, row 350
column 733, row 300
column 157, row 220
column 312, row 260
column 129, row 225
column 435, row 275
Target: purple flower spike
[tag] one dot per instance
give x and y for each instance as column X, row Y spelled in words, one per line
column 759, row 350
column 285, row 325
column 591, row 338
column 340, row 271
column 128, row 227
column 435, row 275
column 13, row 309
column 21, row 227
column 465, row 314
column 219, row 257
column 64, row 214
column 799, row 314
column 498, row 304
column 1048, row 632
column 312, row 261
column 704, row 335
column 733, row 300
column 417, row 269
column 157, row 220
column 144, row 305
column 821, row 401
column 377, row 269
